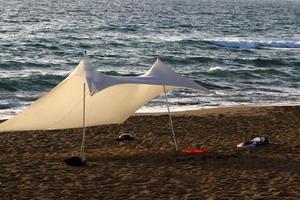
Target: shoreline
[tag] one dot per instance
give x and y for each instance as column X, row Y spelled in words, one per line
column 215, row 110
column 198, row 110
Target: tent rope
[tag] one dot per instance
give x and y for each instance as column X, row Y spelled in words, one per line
column 83, row 123
column 170, row 118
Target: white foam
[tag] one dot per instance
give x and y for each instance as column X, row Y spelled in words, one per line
column 213, row 69
column 236, row 42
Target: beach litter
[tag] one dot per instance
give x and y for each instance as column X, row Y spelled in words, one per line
column 194, row 151
column 257, row 141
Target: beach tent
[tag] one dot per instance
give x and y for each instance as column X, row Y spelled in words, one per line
column 89, row 98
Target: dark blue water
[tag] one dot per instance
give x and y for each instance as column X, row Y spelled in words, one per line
column 248, row 51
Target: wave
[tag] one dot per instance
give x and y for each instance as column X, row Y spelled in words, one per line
column 212, row 69
column 212, row 86
column 32, row 83
column 244, row 74
column 236, row 42
column 114, row 73
column 6, row 104
column 24, row 65
column 270, row 72
column 185, row 61
column 255, row 44
column 231, row 74
column 264, row 62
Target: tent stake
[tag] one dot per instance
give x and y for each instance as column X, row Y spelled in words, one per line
column 83, row 123
column 171, row 122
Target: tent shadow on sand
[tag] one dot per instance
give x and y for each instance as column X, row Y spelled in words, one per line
column 226, row 160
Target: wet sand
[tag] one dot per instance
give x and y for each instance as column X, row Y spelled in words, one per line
column 32, row 167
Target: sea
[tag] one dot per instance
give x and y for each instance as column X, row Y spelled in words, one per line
column 246, row 51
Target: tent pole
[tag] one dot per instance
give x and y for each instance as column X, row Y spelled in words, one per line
column 83, row 123
column 170, row 118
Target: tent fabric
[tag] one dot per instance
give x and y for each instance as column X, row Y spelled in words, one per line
column 108, row 99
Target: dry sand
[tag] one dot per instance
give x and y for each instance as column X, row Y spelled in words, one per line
column 32, row 167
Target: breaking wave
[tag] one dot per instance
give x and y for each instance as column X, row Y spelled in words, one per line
column 213, row 69
column 256, row 44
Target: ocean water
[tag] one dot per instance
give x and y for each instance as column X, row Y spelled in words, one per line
column 247, row 51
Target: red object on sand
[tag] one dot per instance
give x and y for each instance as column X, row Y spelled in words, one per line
column 194, row 151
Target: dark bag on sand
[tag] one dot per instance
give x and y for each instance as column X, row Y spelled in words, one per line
column 76, row 161
column 125, row 136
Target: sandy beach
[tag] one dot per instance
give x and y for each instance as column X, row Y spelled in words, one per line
column 32, row 167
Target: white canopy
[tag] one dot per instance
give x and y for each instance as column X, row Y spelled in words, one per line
column 108, row 99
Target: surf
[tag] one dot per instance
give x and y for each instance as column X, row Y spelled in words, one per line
column 240, row 43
